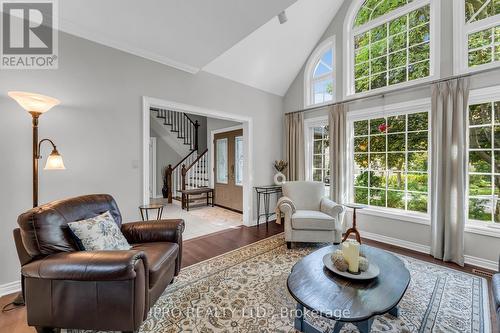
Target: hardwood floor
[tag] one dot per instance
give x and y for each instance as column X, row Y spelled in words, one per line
column 206, row 247
column 212, row 245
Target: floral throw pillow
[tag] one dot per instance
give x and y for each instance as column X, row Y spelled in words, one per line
column 99, row 233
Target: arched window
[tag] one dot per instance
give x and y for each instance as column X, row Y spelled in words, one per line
column 320, row 75
column 477, row 34
column 390, row 42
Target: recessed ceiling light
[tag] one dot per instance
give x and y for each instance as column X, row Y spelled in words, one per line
column 282, row 17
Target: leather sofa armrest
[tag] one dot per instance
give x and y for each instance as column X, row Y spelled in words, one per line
column 154, row 231
column 157, row 231
column 87, row 266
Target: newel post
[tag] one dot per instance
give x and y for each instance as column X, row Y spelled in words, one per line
column 196, row 126
column 183, row 185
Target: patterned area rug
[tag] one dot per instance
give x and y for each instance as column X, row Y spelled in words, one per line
column 245, row 291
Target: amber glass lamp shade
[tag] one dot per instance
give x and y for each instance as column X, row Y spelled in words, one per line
column 33, row 102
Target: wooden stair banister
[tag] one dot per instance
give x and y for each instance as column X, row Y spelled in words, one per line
column 185, row 158
column 197, row 159
column 182, row 124
column 169, row 172
column 193, row 131
column 186, row 130
column 197, row 181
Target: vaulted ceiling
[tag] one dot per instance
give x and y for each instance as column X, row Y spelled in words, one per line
column 237, row 39
column 270, row 58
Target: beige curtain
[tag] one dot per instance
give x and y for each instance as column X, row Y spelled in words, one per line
column 294, row 146
column 338, row 147
column 449, row 169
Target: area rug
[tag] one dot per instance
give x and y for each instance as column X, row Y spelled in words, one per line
column 245, row 291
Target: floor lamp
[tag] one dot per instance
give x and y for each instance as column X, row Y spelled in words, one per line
column 36, row 105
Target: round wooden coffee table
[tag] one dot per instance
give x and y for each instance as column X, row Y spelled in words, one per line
column 321, row 291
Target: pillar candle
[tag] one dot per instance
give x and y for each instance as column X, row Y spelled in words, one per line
column 350, row 250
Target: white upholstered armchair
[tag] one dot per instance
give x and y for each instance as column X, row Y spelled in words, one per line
column 309, row 216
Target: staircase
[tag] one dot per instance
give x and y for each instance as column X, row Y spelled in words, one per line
column 191, row 172
column 180, row 123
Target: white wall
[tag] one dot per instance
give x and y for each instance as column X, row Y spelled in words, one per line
column 98, row 128
column 165, row 155
column 480, row 246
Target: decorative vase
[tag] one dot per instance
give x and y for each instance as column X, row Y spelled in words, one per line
column 279, row 178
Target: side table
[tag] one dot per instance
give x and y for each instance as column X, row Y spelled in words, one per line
column 266, row 191
column 144, row 209
column 353, row 229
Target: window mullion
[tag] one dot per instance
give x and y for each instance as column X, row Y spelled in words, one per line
column 369, row 163
column 479, row 11
column 407, row 47
column 492, row 177
column 386, row 171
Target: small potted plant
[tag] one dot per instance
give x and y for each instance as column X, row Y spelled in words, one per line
column 279, row 177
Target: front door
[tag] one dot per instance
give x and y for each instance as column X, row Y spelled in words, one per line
column 228, row 169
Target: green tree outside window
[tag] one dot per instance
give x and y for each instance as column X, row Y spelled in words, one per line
column 484, row 162
column 394, row 52
column 391, row 162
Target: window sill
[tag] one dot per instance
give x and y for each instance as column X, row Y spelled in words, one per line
column 473, row 228
column 393, row 215
column 388, row 89
column 319, row 105
column 485, row 230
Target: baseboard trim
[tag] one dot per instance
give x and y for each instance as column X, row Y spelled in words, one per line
column 397, row 242
column 483, row 263
column 10, row 288
column 469, row 260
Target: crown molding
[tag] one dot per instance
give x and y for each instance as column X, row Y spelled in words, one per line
column 78, row 31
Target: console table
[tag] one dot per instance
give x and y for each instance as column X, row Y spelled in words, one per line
column 266, row 192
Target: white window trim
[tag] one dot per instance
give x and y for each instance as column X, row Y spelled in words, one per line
column 461, row 31
column 413, row 106
column 328, row 43
column 350, row 32
column 309, row 124
column 478, row 96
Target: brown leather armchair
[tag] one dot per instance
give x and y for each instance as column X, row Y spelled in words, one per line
column 99, row 290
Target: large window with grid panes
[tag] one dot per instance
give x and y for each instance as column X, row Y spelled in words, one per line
column 318, row 151
column 477, row 34
column 391, row 161
column 391, row 44
column 484, row 161
column 319, row 75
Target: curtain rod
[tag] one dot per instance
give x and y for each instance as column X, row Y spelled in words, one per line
column 381, row 95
